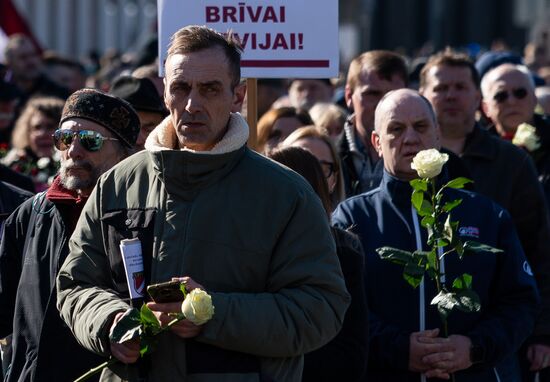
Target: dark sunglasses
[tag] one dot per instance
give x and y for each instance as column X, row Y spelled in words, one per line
column 89, row 139
column 502, row 96
column 328, row 168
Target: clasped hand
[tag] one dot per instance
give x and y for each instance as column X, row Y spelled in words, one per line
column 128, row 352
column 438, row 357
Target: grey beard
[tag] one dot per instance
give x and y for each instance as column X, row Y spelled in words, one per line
column 72, row 182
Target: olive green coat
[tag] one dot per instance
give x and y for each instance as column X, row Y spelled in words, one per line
column 251, row 232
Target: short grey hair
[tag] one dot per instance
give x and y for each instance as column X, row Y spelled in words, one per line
column 488, row 78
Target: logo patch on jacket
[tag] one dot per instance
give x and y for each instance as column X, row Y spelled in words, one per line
column 469, row 231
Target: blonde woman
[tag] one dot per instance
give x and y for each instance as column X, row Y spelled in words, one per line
column 321, row 146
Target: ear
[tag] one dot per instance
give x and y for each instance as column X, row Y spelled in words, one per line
column 485, row 109
column 165, row 92
column 347, row 95
column 238, row 98
column 375, row 142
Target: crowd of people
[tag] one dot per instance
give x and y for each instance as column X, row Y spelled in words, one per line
column 282, row 232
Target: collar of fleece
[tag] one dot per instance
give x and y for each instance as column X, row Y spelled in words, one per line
column 163, row 137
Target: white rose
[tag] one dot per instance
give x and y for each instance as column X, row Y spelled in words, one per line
column 197, row 306
column 526, row 136
column 428, row 163
column 43, row 162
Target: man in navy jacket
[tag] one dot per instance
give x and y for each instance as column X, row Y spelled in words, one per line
column 405, row 340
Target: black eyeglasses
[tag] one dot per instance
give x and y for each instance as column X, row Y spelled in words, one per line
column 502, row 96
column 328, row 168
column 89, row 139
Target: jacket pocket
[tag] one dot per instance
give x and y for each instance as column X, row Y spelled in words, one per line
column 128, row 224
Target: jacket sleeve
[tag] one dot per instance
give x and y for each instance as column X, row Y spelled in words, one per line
column 530, row 214
column 85, row 293
column 514, row 301
column 14, row 232
column 305, row 299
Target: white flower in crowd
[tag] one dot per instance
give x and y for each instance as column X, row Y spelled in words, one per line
column 428, row 163
column 43, row 163
column 197, row 306
column 526, row 136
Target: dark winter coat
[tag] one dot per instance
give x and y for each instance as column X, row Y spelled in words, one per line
column 509, row 300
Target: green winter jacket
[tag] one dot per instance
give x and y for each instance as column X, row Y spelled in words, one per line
column 253, row 233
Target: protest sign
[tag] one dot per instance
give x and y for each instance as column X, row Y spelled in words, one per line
column 281, row 38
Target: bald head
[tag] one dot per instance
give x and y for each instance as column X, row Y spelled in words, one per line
column 392, row 99
column 508, row 97
column 505, row 70
column 404, row 125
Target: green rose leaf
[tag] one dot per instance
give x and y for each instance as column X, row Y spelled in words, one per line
column 432, row 260
column 417, row 198
column 451, row 205
column 477, row 247
column 462, row 282
column 468, row 301
column 445, row 302
column 458, row 183
column 127, row 328
column 148, row 318
column 419, row 184
column 427, row 221
column 413, row 274
column 394, row 255
column 448, row 231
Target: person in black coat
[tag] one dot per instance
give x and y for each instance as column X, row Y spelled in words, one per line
column 345, row 357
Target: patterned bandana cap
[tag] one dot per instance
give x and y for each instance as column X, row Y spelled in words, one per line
column 113, row 113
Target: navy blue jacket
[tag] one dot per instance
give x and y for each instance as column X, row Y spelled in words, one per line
column 504, row 282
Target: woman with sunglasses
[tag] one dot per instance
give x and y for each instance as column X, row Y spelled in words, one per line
column 33, row 152
column 320, row 145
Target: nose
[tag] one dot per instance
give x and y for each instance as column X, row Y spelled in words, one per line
column 75, row 150
column 410, row 135
column 194, row 103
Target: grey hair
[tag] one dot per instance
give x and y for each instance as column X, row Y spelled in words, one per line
column 488, row 79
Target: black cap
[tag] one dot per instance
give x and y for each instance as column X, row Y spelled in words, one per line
column 139, row 92
column 490, row 60
column 111, row 112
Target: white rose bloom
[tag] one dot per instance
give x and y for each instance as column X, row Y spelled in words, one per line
column 428, row 163
column 43, row 162
column 526, row 136
column 197, row 307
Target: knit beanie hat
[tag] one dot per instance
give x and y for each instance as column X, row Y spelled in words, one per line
column 111, row 112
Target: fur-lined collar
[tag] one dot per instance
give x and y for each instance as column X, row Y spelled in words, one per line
column 163, row 137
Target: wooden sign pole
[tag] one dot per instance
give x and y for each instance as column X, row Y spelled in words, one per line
column 252, row 110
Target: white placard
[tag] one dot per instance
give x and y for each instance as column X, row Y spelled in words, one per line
column 281, row 38
column 133, row 265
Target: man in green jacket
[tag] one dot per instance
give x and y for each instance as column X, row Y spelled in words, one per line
column 204, row 206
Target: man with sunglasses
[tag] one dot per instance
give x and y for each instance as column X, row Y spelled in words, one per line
column 96, row 131
column 509, row 100
column 500, row 170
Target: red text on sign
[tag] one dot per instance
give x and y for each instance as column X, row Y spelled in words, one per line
column 244, row 14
